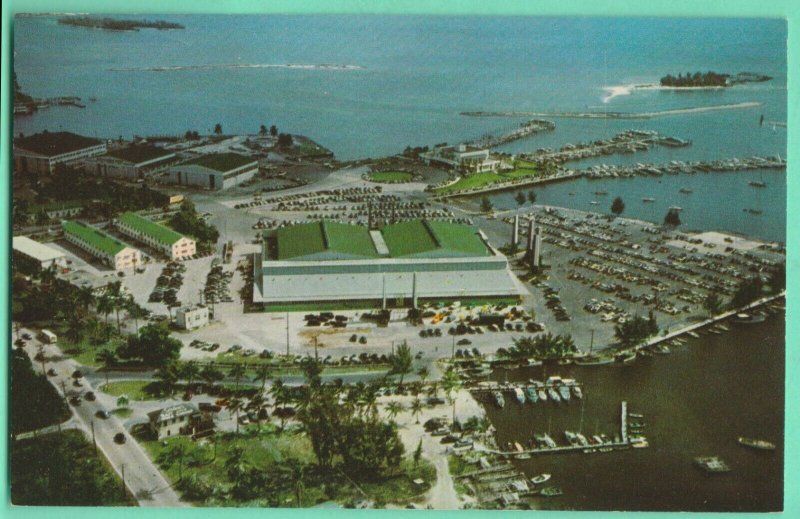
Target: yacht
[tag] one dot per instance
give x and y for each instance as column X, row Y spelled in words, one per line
column 498, row 399
column 541, row 478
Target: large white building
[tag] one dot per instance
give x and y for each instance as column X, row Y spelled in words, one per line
column 114, row 253
column 398, row 265
column 214, row 171
column 467, row 158
column 133, row 163
column 41, row 152
column 170, row 243
column 35, row 254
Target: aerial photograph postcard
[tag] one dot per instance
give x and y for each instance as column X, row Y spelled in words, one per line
column 397, row 261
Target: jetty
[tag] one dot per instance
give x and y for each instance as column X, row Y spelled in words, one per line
column 525, row 129
column 615, row 115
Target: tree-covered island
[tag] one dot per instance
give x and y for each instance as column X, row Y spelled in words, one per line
column 112, row 24
column 711, row 79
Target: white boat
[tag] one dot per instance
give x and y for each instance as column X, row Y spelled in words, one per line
column 693, row 334
column 553, row 394
column 541, row 478
column 576, row 390
column 563, row 392
column 520, row 395
column 648, row 199
column 499, row 400
column 542, row 395
column 530, row 392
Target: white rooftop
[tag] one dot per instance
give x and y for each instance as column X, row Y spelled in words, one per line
column 34, row 249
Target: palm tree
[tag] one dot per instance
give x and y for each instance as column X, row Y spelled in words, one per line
column 190, row 371
column 423, row 373
column 280, row 397
column 106, row 357
column 237, row 372
column 235, row 405
column 175, row 453
column 168, row 375
column 416, row 408
column 114, row 291
column 393, row 409
column 262, row 375
column 210, row 374
column 451, row 383
column 85, row 298
column 433, row 390
column 104, row 305
column 75, row 329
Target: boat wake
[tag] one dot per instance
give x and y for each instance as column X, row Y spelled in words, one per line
column 294, row 66
column 626, row 90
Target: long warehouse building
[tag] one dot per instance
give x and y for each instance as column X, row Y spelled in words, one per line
column 398, row 265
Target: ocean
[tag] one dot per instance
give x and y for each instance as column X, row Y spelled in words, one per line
column 415, row 76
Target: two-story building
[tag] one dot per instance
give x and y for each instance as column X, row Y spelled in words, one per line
column 170, row 243
column 111, row 251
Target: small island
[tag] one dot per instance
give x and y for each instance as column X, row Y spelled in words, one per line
column 111, row 24
column 711, row 79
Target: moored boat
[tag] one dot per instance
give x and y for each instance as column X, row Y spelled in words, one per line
column 756, row 444
column 563, row 392
column 553, row 394
column 541, row 478
column 748, row 319
column 530, row 392
column 498, row 399
column 520, row 395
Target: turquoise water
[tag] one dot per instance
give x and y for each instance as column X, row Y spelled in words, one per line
column 417, row 75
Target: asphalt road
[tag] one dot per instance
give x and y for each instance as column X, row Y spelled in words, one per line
column 142, row 477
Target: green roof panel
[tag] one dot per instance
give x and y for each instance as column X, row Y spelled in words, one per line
column 93, row 236
column 324, row 241
column 150, row 228
column 431, row 239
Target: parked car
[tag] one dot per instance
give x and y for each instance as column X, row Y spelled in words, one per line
column 90, row 396
column 102, row 413
column 120, row 438
column 27, row 336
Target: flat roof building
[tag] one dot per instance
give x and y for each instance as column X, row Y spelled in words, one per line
column 133, row 162
column 397, row 265
column 214, row 171
column 172, row 244
column 171, row 421
column 41, row 152
column 36, row 255
column 190, row 318
column 111, row 251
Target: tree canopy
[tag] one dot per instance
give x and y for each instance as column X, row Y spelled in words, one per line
column 153, row 346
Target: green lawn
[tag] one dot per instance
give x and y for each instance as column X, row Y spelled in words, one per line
column 390, row 176
column 480, row 180
column 135, row 389
column 84, row 352
column 274, row 452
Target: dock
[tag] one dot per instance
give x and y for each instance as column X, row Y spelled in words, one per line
column 625, row 442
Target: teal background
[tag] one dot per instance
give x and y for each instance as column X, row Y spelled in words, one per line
column 684, row 8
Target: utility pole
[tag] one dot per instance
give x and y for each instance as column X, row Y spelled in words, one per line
column 453, row 353
column 287, row 334
column 123, row 481
column 94, row 439
column 591, row 344
column 316, row 353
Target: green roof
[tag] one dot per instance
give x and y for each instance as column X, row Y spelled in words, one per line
column 140, row 153
column 150, row 228
column 324, row 240
column 221, row 162
column 93, row 236
column 422, row 238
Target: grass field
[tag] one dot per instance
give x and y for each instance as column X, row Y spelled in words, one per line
column 390, row 176
column 135, row 389
column 84, row 352
column 275, row 452
column 480, row 180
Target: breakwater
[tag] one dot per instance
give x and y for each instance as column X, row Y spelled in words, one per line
column 615, row 115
